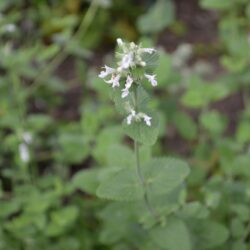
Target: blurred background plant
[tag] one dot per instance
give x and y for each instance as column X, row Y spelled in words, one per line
column 57, row 121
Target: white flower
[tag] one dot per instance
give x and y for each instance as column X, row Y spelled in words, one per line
column 24, row 152
column 106, row 72
column 137, row 117
column 127, row 61
column 119, row 42
column 151, row 79
column 128, row 84
column 114, row 80
column 148, row 50
column 147, row 119
column 131, row 116
column 125, row 93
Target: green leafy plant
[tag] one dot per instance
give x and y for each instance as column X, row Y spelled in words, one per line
column 147, row 194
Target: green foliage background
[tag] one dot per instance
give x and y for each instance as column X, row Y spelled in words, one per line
column 50, row 55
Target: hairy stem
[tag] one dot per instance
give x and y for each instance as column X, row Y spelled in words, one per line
column 138, row 169
column 142, row 180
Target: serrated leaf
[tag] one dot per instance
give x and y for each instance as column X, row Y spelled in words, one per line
column 208, row 234
column 121, row 186
column 163, row 69
column 86, row 180
column 162, row 175
column 152, row 61
column 120, row 155
column 142, row 133
column 173, row 236
column 159, row 16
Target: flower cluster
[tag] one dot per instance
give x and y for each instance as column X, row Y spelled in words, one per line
column 130, row 57
column 137, row 117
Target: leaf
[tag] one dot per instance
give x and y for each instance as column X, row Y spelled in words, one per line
column 75, row 147
column 39, row 122
column 163, row 69
column 159, row 16
column 138, row 130
column 152, row 62
column 123, row 185
column 86, row 180
column 200, row 93
column 162, row 175
column 142, row 133
column 173, row 236
column 120, row 155
column 47, row 53
column 108, row 136
column 208, row 234
column 61, row 220
column 194, row 210
column 185, row 125
column 124, row 104
column 213, row 121
column 243, row 132
column 219, row 5
column 240, row 165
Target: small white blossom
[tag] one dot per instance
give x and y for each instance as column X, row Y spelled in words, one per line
column 131, row 116
column 128, row 84
column 24, row 152
column 148, row 50
column 106, row 72
column 147, row 119
column 114, row 80
column 127, row 61
column 151, row 79
column 129, row 57
column 125, row 92
column 119, row 42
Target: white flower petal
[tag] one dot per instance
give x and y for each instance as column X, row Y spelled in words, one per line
column 119, row 42
column 151, row 79
column 129, row 82
column 131, row 116
column 148, row 50
column 24, row 152
column 114, row 81
column 129, row 119
column 147, row 119
column 127, row 61
column 125, row 93
column 106, row 72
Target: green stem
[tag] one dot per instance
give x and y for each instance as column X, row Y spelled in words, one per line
column 139, row 172
column 142, row 180
column 20, row 110
column 62, row 55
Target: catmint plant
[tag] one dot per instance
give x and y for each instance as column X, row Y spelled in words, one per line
column 129, row 78
column 148, row 209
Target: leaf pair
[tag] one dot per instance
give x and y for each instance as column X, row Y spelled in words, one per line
column 161, row 175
